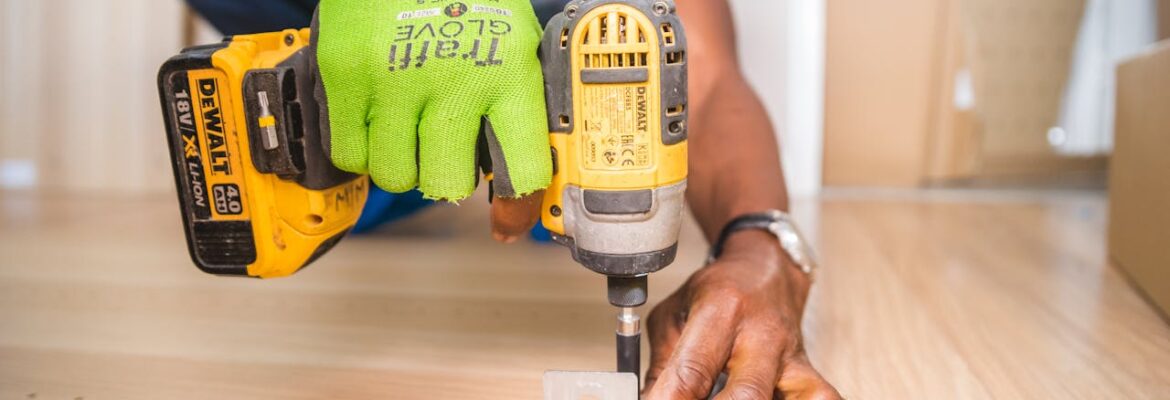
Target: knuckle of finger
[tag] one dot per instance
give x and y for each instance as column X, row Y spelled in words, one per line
column 726, row 300
column 748, row 392
column 785, row 333
column 706, row 277
column 694, row 380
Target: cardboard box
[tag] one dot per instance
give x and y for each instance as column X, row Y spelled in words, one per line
column 1139, row 180
column 880, row 57
column 891, row 117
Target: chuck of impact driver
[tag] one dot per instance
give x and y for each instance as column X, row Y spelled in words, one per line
column 616, row 88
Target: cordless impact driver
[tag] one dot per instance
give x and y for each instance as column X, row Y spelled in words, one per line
column 616, row 88
column 259, row 196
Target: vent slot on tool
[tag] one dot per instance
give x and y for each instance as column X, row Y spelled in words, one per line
column 614, row 49
column 667, row 34
column 668, row 40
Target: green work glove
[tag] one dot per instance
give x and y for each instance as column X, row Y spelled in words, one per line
column 407, row 83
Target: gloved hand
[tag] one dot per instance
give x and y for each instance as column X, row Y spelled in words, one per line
column 407, row 83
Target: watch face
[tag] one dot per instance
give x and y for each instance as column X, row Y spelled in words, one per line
column 794, row 244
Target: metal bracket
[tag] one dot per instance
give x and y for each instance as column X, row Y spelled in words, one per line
column 569, row 385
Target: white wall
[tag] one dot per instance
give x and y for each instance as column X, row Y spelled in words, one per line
column 78, row 101
column 1110, row 32
column 20, row 99
column 781, row 46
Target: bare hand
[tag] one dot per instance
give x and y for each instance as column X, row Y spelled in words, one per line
column 739, row 315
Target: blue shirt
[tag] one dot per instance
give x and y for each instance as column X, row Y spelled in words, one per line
column 235, row 17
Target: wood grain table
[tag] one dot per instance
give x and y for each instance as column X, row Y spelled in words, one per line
column 922, row 295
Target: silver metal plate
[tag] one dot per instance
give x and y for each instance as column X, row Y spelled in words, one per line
column 568, row 385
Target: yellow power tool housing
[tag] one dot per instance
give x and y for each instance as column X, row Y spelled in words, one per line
column 258, row 194
column 615, row 82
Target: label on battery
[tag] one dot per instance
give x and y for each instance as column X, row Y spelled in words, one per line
column 194, row 176
column 215, row 174
column 617, row 133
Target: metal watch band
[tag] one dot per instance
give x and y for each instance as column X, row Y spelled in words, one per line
column 780, row 225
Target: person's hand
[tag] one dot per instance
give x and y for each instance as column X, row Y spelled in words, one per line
column 406, row 84
column 740, row 315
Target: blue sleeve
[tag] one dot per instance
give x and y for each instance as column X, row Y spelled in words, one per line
column 235, row 17
column 546, row 9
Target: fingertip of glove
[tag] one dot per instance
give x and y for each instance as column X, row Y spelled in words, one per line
column 445, row 197
column 350, row 165
column 392, row 184
column 527, row 192
column 524, row 184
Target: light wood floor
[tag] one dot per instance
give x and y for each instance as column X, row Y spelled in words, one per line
column 944, row 295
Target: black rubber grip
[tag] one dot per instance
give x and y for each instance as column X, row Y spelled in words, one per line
column 618, row 202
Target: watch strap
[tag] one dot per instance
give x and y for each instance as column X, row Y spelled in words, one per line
column 760, row 221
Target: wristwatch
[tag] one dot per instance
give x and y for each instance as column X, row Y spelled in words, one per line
column 780, row 225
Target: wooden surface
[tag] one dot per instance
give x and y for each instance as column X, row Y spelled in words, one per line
column 943, row 295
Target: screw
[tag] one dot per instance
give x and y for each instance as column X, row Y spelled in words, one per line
column 555, row 211
column 676, row 127
column 571, row 11
column 289, row 39
column 661, row 8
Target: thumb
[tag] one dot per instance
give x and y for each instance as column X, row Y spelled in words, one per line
column 663, row 327
column 512, row 217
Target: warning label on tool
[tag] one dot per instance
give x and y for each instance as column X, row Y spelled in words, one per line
column 619, row 137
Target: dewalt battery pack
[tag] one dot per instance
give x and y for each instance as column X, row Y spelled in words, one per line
column 257, row 193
